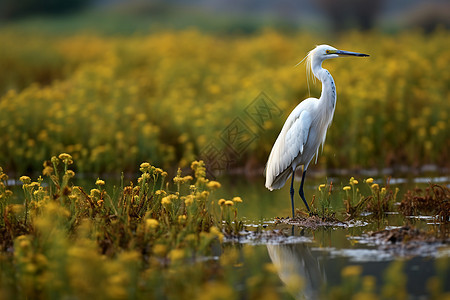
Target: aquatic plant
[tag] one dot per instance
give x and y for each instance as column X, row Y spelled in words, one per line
column 377, row 203
column 325, row 210
column 434, row 201
column 353, row 201
column 382, row 199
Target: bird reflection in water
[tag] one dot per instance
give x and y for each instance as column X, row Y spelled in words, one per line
column 298, row 269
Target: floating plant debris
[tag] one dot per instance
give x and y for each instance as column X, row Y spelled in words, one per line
column 405, row 241
column 313, row 222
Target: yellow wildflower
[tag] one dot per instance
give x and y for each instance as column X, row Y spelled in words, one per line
column 176, row 254
column 145, row 176
column 145, row 165
column 25, row 179
column 194, row 165
column 65, row 157
column 213, row 185
column 369, row 180
column 164, row 174
column 41, row 259
column 47, row 171
column 190, row 237
column 100, row 182
column 34, row 184
column 166, row 200
column 16, row 208
column 221, row 202
column 347, row 188
column 355, row 181
column 95, row 193
column 229, row 203
column 374, row 186
column 151, row 223
column 69, row 173
column 54, row 160
column 322, row 186
column 160, row 192
column 160, row 250
column 237, row 199
column 23, row 241
column 187, row 178
column 189, row 200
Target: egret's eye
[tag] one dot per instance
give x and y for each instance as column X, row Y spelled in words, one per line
column 328, row 51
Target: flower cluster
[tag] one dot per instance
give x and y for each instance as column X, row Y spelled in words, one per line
column 109, row 114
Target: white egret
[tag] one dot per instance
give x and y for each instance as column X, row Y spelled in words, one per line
column 306, row 127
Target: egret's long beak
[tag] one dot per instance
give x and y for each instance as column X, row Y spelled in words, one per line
column 348, row 53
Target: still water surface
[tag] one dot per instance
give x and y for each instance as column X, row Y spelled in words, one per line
column 317, row 258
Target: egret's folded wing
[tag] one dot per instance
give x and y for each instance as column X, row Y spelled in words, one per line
column 297, row 136
column 289, row 144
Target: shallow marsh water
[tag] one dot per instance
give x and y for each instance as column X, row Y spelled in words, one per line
column 310, row 260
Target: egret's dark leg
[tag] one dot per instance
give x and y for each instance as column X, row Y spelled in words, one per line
column 292, row 194
column 301, row 191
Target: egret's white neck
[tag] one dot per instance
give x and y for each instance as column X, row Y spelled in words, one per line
column 328, row 95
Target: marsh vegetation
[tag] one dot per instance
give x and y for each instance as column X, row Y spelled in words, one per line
column 104, row 194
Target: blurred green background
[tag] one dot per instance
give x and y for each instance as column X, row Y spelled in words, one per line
column 128, row 17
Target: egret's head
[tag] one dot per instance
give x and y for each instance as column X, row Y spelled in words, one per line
column 316, row 56
column 324, row 52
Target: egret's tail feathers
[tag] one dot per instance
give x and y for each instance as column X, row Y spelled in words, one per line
column 279, row 181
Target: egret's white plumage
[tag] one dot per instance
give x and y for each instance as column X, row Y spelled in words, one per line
column 306, row 127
